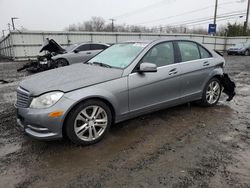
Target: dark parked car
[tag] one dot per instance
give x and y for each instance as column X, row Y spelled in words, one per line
column 239, row 49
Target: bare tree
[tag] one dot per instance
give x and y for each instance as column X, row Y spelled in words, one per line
column 88, row 26
column 98, row 23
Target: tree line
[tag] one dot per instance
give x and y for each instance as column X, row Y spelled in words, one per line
column 98, row 24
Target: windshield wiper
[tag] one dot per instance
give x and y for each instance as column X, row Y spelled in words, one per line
column 102, row 64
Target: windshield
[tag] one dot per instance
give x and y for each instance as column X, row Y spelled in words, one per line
column 71, row 47
column 119, row 55
column 240, row 45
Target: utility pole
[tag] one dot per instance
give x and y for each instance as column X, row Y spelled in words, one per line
column 9, row 26
column 13, row 24
column 246, row 22
column 112, row 24
column 215, row 11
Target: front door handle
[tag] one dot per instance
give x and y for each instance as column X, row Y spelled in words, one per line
column 88, row 53
column 206, row 63
column 173, row 71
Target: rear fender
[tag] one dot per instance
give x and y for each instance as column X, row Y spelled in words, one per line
column 217, row 72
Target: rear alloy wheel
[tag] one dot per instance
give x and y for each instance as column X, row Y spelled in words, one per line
column 246, row 53
column 211, row 93
column 61, row 63
column 89, row 122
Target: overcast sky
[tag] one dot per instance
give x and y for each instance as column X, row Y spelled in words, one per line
column 55, row 15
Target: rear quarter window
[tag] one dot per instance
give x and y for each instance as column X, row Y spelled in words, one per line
column 204, row 53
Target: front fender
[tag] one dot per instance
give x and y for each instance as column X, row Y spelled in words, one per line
column 87, row 93
column 59, row 56
column 115, row 92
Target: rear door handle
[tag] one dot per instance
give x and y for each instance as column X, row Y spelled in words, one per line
column 88, row 53
column 173, row 71
column 206, row 63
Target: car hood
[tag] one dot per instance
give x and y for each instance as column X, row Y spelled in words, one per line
column 52, row 46
column 69, row 78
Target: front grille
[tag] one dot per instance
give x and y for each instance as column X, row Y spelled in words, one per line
column 23, row 98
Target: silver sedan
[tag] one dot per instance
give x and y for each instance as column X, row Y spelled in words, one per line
column 126, row 80
column 79, row 53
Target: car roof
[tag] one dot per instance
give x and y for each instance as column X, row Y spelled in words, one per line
column 81, row 43
column 158, row 40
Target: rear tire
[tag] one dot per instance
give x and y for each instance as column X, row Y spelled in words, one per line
column 211, row 93
column 88, row 122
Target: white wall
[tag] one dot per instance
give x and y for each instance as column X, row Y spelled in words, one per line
column 26, row 45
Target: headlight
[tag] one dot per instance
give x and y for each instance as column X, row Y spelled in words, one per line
column 46, row 100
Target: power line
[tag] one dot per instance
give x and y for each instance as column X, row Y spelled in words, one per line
column 202, row 20
column 218, row 20
column 172, row 27
column 130, row 13
column 235, row 13
column 185, row 13
column 168, row 17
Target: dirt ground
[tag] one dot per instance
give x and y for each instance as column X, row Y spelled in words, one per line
column 184, row 146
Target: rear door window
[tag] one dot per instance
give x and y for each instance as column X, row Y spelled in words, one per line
column 189, row 51
column 98, row 47
column 204, row 53
column 84, row 47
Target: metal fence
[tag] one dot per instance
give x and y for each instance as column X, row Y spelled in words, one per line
column 26, row 45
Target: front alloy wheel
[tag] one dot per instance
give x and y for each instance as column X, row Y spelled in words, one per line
column 89, row 122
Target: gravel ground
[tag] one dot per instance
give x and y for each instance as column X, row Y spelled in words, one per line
column 184, row 146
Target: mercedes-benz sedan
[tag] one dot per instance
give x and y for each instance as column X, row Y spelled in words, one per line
column 124, row 81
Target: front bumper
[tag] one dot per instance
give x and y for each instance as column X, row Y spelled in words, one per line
column 37, row 123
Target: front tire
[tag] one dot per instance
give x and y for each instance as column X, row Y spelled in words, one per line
column 246, row 53
column 89, row 122
column 61, row 63
column 211, row 93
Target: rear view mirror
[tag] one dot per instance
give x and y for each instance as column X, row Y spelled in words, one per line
column 147, row 67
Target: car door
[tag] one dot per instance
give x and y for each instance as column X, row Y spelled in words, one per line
column 195, row 67
column 155, row 89
column 81, row 53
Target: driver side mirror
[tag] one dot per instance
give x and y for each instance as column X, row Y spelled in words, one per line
column 147, row 67
column 76, row 51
